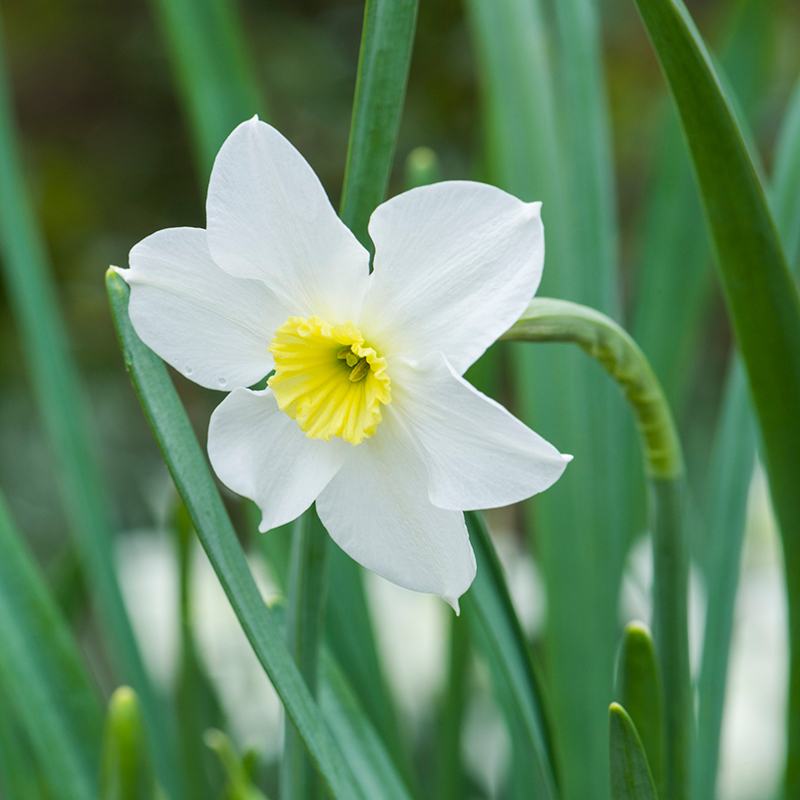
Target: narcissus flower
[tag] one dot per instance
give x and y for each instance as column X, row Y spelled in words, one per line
column 365, row 411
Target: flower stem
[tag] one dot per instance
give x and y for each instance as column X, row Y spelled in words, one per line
column 307, row 589
column 547, row 320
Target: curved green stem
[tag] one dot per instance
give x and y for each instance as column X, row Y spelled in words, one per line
column 547, row 320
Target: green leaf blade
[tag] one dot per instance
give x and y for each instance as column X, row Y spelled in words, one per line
column 60, row 399
column 578, row 522
column 761, row 296
column 383, row 65
column 640, row 691
column 192, row 477
column 126, row 773
column 732, row 463
column 488, row 611
column 214, row 76
column 304, row 623
column 42, row 675
column 630, row 773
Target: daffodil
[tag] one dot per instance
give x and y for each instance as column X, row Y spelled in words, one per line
column 365, row 411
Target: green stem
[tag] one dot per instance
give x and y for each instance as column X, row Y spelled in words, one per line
column 383, row 63
column 450, row 772
column 670, row 592
column 548, row 320
column 384, row 59
column 304, row 628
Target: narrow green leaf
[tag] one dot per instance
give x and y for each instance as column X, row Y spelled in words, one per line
column 60, row 399
column 366, row 752
column 196, row 704
column 363, row 748
column 193, row 480
column 240, row 785
column 488, row 611
column 450, row 779
column 672, row 296
column 785, row 195
column 18, row 774
column 630, row 773
column 304, row 621
column 383, row 63
column 640, row 692
column 42, row 675
column 350, row 637
column 210, row 60
column 588, row 155
column 732, row 463
column 579, row 522
column 761, row 296
column 126, row 773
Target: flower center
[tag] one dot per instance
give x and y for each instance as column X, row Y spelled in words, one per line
column 328, row 379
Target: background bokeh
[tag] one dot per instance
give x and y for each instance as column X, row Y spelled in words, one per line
column 109, row 158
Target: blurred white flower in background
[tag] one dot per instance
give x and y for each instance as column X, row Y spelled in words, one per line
column 753, row 739
column 753, row 736
column 148, row 572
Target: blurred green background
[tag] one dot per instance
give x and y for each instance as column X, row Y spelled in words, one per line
column 109, row 157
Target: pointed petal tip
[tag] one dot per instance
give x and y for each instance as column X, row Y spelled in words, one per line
column 534, row 208
column 453, row 603
column 567, row 457
column 113, row 270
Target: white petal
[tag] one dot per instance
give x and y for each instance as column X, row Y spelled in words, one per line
column 259, row 452
column 477, row 454
column 376, row 509
column 213, row 328
column 269, row 218
column 456, row 263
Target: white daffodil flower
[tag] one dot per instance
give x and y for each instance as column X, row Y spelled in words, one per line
column 366, row 411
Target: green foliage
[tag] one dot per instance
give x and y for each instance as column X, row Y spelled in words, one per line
column 640, row 692
column 761, row 296
column 542, row 81
column 240, row 784
column 304, row 623
column 630, row 772
column 537, row 151
column 490, row 615
column 731, row 470
column 193, row 480
column 383, row 64
column 373, row 765
column 28, row 278
column 214, row 75
column 547, row 320
column 42, row 676
column 126, row 772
